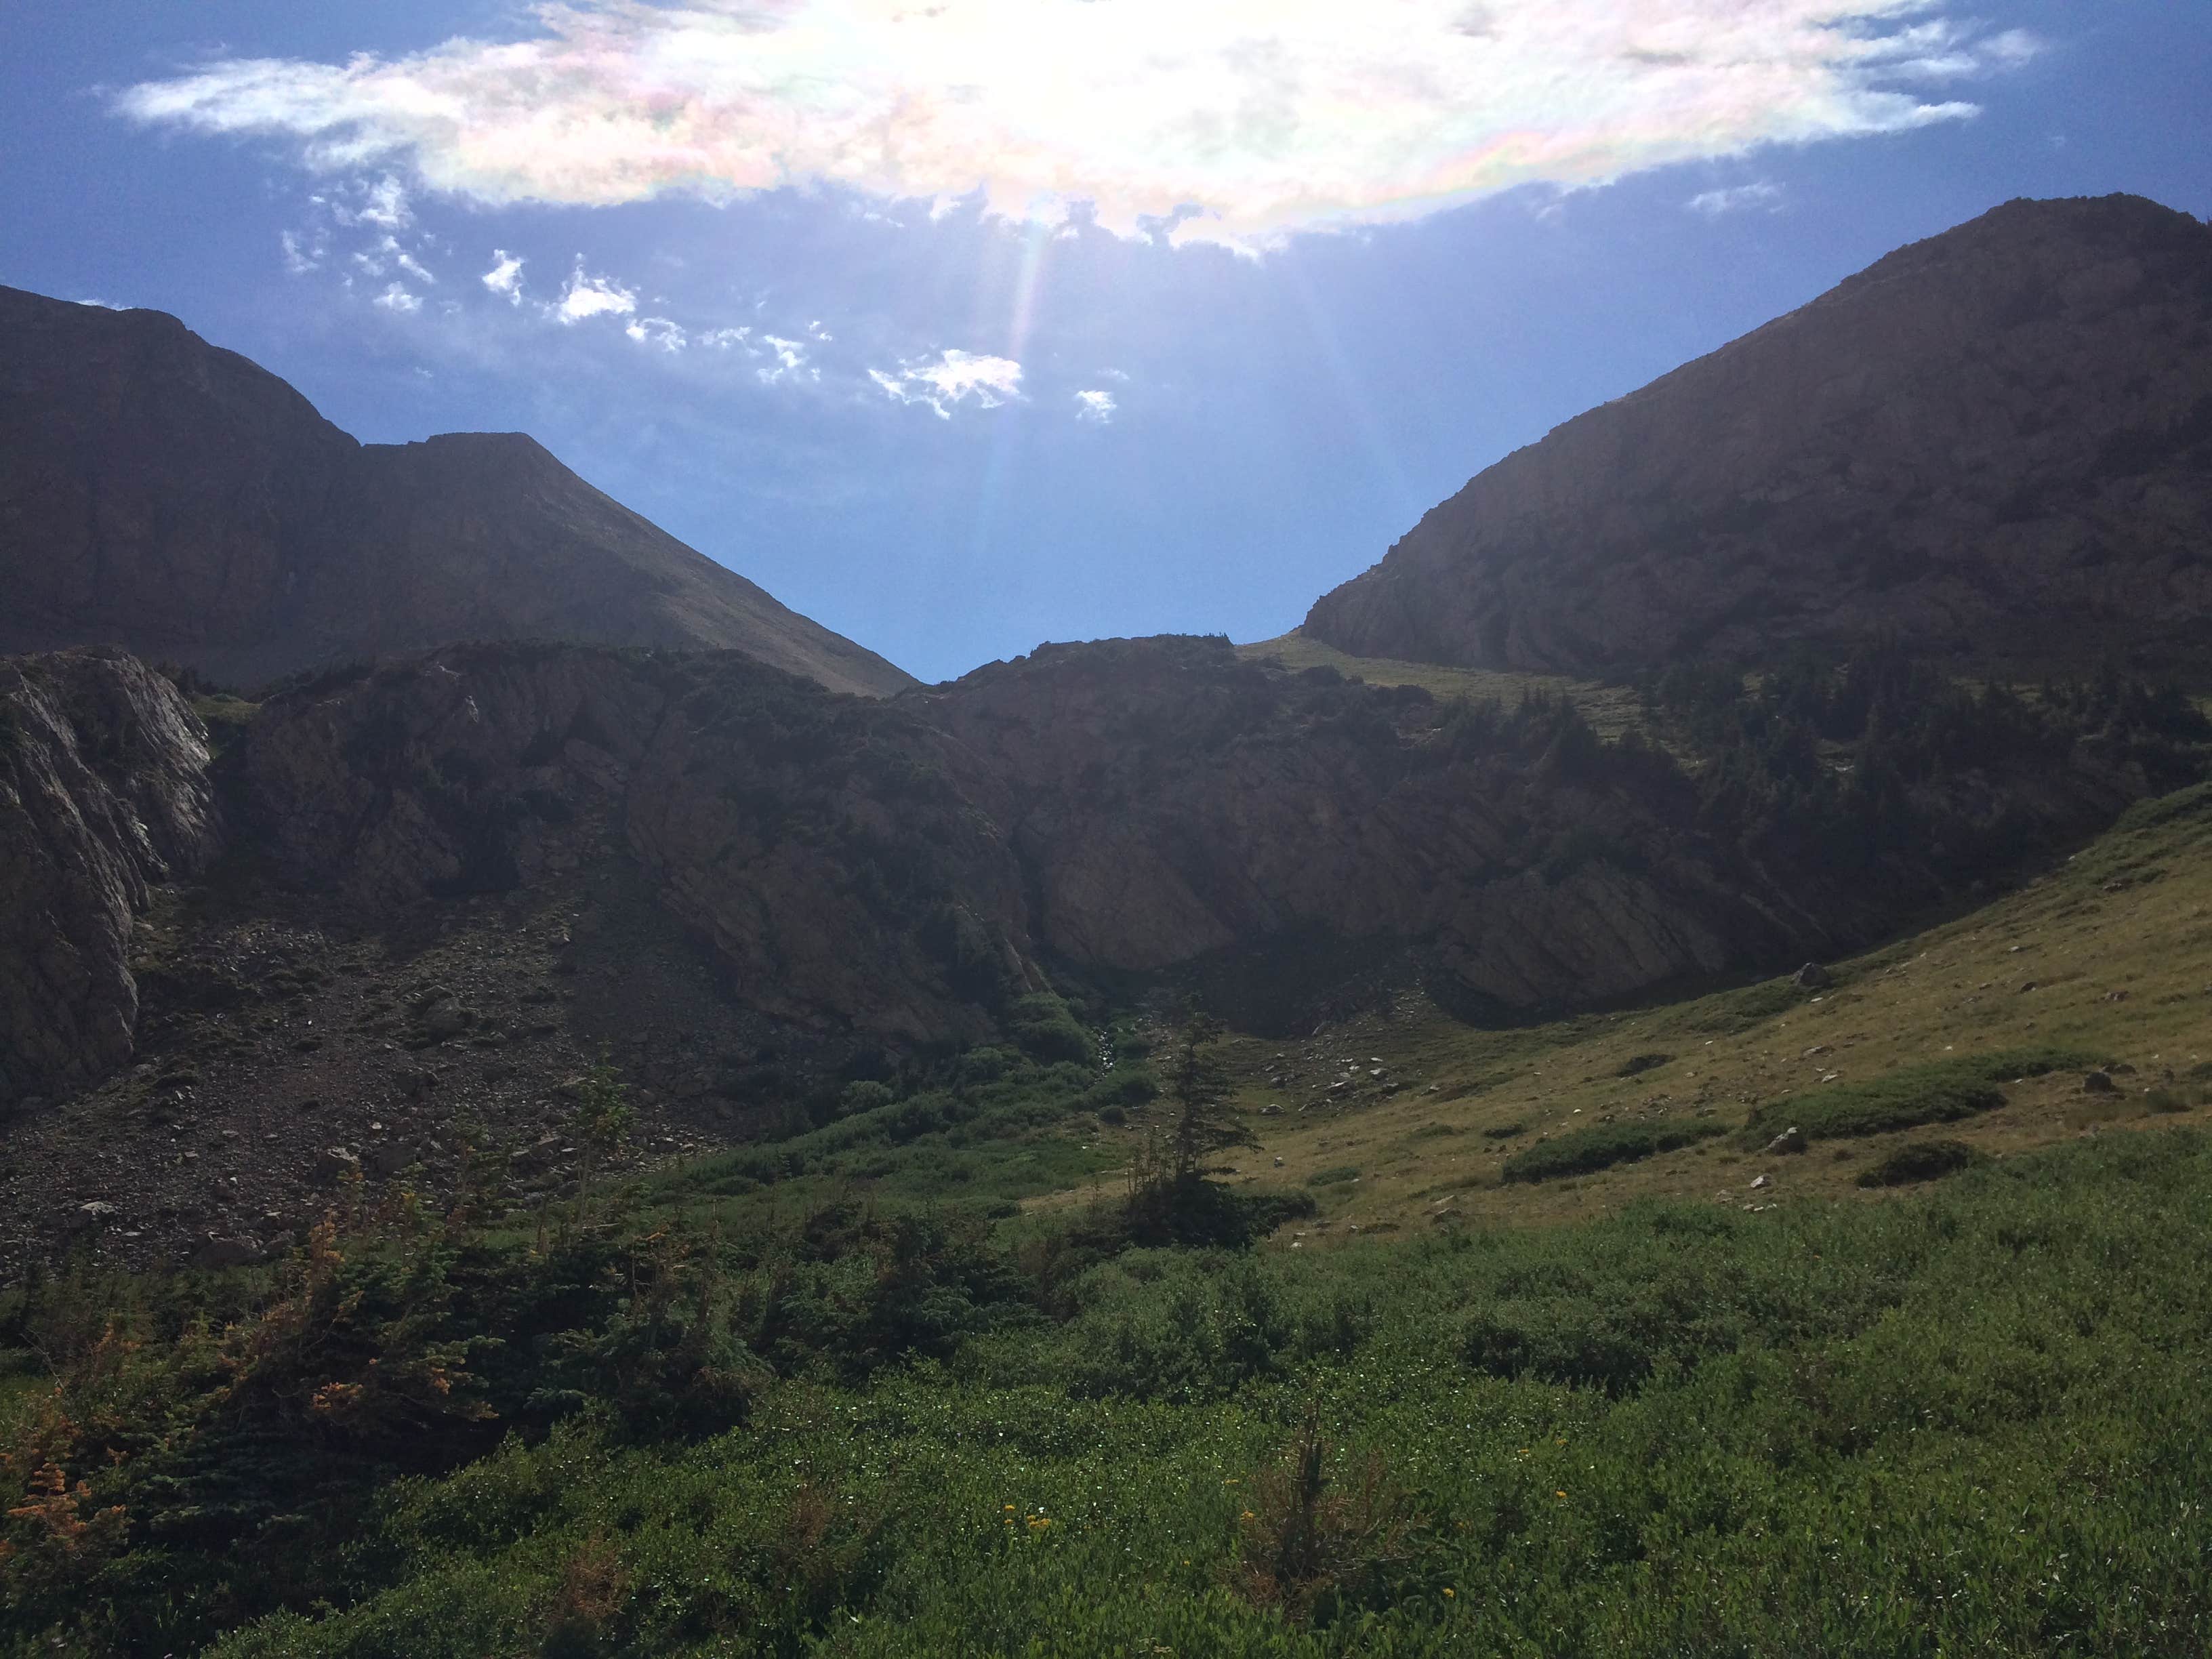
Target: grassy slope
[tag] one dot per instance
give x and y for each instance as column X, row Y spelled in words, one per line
column 1964, row 1417
column 1969, row 1424
column 1611, row 710
column 2117, row 947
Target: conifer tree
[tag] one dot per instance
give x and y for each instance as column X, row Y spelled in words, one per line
column 1198, row 1092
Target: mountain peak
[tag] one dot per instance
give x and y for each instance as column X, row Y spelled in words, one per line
column 161, row 492
column 1995, row 445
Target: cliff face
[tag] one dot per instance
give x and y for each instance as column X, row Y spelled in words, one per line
column 864, row 874
column 1169, row 802
column 1995, row 445
column 160, row 493
column 103, row 792
column 823, row 846
column 1125, row 808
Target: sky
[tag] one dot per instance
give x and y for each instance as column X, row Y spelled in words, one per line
column 961, row 325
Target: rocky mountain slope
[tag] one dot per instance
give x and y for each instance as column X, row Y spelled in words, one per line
column 1995, row 445
column 457, row 878
column 165, row 494
column 104, row 794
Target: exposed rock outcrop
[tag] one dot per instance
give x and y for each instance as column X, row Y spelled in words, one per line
column 1169, row 801
column 823, row 845
column 103, row 792
column 1123, row 808
column 1995, row 445
column 160, row 493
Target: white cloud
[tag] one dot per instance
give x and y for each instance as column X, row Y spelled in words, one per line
column 381, row 203
column 399, row 301
column 303, row 254
column 407, row 262
column 952, row 377
column 1097, row 406
column 658, row 332
column 788, row 360
column 1237, row 120
column 594, row 296
column 505, row 276
column 1738, row 198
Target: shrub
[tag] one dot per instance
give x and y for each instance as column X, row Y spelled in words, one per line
column 1939, row 1091
column 1308, row 1540
column 1046, row 1030
column 1124, row 1086
column 1637, row 1065
column 1584, row 1151
column 1335, row 1178
column 1921, row 1160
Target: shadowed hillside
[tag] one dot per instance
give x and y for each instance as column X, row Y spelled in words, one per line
column 1993, row 446
column 165, row 494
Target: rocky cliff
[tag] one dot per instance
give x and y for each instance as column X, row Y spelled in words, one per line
column 1124, row 809
column 103, row 792
column 460, row 877
column 824, row 845
column 1995, row 445
column 173, row 497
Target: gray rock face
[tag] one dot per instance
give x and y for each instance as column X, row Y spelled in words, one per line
column 1168, row 802
column 161, row 493
column 103, row 792
column 823, row 846
column 1996, row 444
column 896, row 869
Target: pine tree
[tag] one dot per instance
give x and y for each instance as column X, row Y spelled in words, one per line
column 1198, row 1089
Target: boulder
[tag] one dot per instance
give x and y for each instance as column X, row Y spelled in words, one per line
column 216, row 1252
column 442, row 1019
column 385, row 1158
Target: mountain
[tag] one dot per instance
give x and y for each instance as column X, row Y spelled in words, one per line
column 1994, row 446
column 163, row 494
column 456, row 879
column 104, row 794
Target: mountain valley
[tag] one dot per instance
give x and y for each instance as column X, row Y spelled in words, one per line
column 1637, row 1085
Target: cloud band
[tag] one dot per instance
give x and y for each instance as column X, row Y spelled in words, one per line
column 1264, row 116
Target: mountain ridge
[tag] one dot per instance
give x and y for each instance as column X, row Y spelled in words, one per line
column 172, row 496
column 1994, row 446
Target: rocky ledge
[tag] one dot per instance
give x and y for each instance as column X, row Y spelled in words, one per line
column 104, row 792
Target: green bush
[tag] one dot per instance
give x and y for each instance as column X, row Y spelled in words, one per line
column 1582, row 1151
column 1046, row 1030
column 1938, row 1091
column 1921, row 1160
column 1680, row 1429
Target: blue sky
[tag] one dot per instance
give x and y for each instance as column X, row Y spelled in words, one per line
column 964, row 324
